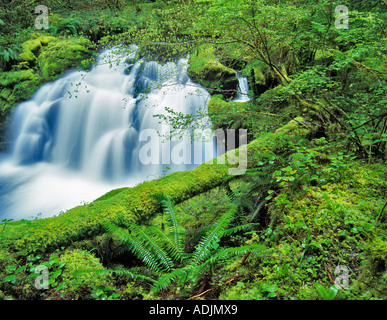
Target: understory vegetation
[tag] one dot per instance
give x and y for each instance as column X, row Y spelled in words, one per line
column 306, row 221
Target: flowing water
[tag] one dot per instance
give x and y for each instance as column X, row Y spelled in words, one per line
column 243, row 89
column 89, row 132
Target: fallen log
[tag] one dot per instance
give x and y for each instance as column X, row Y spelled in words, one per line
column 137, row 204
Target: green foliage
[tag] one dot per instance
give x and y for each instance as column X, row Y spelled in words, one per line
column 4, row 224
column 74, row 279
column 95, row 26
column 21, row 277
column 317, row 203
column 8, row 56
column 260, row 291
column 162, row 252
column 64, row 28
column 309, row 166
column 170, row 211
column 206, row 69
column 327, row 295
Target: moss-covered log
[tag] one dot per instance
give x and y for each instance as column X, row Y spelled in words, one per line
column 137, row 204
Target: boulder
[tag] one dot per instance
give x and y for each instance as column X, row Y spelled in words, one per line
column 32, row 48
column 206, row 70
column 63, row 54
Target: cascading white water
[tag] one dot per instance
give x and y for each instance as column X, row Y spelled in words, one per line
column 89, row 132
column 243, row 89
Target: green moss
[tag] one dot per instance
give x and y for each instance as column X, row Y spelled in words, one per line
column 206, row 69
column 324, row 226
column 11, row 78
column 30, row 50
column 33, row 47
column 42, row 58
column 377, row 252
column 63, row 54
column 17, row 86
column 136, row 204
column 223, row 113
column 110, row 194
column 25, row 89
column 5, row 93
column 81, row 270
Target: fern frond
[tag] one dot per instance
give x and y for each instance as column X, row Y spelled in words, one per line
column 237, row 229
column 196, row 235
column 54, row 30
column 212, row 238
column 169, row 210
column 72, row 29
column 174, row 276
column 223, row 255
column 135, row 246
column 168, row 244
column 5, row 55
column 151, row 244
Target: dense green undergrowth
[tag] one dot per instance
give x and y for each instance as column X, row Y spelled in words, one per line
column 307, row 220
column 303, row 235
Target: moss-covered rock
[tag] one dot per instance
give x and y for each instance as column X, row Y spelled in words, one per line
column 42, row 58
column 16, row 86
column 5, row 93
column 206, row 70
column 227, row 115
column 11, row 78
column 32, row 48
column 63, row 54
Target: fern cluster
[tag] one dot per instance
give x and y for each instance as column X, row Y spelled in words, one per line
column 162, row 251
column 65, row 28
column 8, row 56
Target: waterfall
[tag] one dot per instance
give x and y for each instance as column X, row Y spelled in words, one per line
column 243, row 89
column 89, row 132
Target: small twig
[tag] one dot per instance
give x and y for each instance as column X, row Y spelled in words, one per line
column 336, row 284
column 230, row 280
column 245, row 257
column 204, row 292
column 380, row 214
column 380, row 116
column 74, row 244
column 326, row 270
column 199, row 295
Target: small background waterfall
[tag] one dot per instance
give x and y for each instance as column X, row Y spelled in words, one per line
column 83, row 135
column 243, row 89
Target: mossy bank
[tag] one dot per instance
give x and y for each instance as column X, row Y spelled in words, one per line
column 42, row 58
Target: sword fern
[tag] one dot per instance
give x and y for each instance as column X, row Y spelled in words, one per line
column 143, row 245
column 163, row 252
column 169, row 210
column 213, row 236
